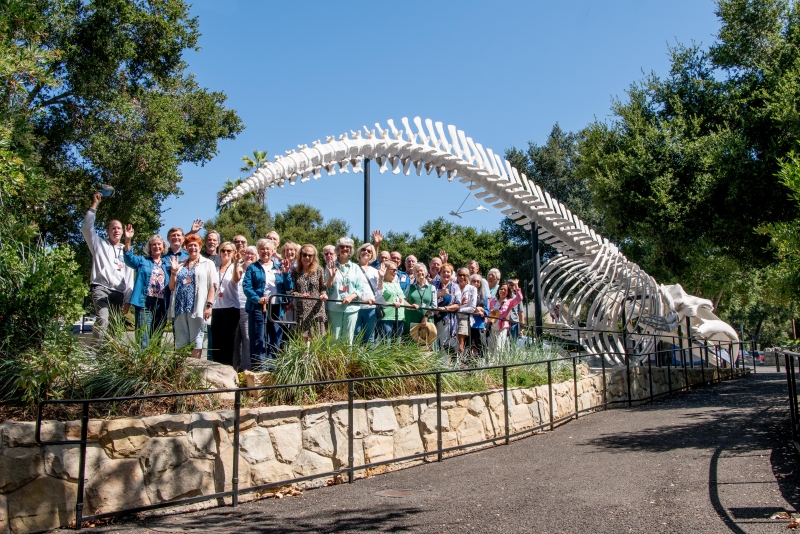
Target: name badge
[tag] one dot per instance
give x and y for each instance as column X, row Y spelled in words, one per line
column 220, row 294
column 187, row 281
column 344, row 289
column 120, row 265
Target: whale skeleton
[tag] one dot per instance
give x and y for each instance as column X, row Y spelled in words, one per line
column 589, row 285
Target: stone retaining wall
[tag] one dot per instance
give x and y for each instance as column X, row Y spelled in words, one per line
column 140, row 461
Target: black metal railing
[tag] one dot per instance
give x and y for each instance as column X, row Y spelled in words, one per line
column 653, row 359
column 792, row 360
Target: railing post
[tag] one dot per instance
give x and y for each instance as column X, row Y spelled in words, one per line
column 777, row 360
column 82, row 465
column 628, row 377
column 237, row 409
column 575, row 382
column 505, row 402
column 439, row 415
column 792, row 393
column 550, row 390
column 351, row 393
column 690, row 341
column 650, row 375
column 669, row 369
column 605, row 386
column 719, row 351
column 754, row 360
column 702, row 363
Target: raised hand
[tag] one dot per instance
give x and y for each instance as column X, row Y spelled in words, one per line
column 96, row 199
column 443, row 255
column 197, row 225
column 377, row 237
column 331, row 269
column 286, row 265
column 128, row 232
column 175, row 263
column 382, row 270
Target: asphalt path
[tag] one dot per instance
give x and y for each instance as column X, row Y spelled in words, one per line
column 717, row 459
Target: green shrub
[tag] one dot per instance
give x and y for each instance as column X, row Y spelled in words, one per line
column 119, row 365
column 38, row 285
column 52, row 370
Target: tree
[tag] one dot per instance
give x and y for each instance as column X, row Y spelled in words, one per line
column 102, row 96
column 687, row 168
column 247, row 217
column 250, row 165
column 227, row 188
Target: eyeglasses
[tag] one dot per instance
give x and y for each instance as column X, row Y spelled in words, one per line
column 307, row 255
column 365, row 252
column 462, row 275
column 226, row 251
column 240, row 241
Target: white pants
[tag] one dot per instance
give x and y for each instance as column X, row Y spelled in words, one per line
column 189, row 331
column 498, row 340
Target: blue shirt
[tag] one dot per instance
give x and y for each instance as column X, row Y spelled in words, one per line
column 144, row 268
column 182, row 254
column 184, row 291
column 403, row 279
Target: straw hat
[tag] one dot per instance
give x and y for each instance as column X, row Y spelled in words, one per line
column 424, row 333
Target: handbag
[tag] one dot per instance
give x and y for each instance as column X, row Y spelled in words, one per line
column 379, row 313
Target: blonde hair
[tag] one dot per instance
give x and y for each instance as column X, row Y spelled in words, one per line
column 154, row 237
column 367, row 246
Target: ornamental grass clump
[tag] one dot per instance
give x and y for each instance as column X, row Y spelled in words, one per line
column 121, row 365
column 326, row 358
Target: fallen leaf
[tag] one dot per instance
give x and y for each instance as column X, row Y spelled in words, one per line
column 784, row 475
column 780, row 515
column 793, row 523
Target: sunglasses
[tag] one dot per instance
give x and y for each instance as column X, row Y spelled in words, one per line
column 365, row 252
column 240, row 241
column 462, row 275
column 227, row 251
column 307, row 255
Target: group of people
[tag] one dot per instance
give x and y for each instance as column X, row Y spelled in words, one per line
column 247, row 299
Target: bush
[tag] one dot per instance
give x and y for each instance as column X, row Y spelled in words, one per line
column 121, row 366
column 327, row 358
column 38, row 285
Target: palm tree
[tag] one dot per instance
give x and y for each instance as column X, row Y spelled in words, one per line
column 227, row 188
column 250, row 165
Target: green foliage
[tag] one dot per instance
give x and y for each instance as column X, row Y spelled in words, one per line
column 122, row 366
column 39, row 285
column 97, row 92
column 328, row 358
column 50, row 370
column 303, row 224
column 246, row 217
column 462, row 243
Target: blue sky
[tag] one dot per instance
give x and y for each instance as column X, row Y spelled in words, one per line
column 502, row 71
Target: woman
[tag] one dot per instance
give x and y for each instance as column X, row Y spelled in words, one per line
column 448, row 300
column 246, row 256
column 261, row 281
column 493, row 278
column 393, row 322
column 501, row 306
column 343, row 283
column 468, row 302
column 289, row 252
column 150, row 296
column 225, row 312
column 478, row 326
column 193, row 283
column 422, row 296
column 308, row 281
column 372, row 283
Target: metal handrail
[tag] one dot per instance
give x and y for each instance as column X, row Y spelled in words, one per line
column 350, row 470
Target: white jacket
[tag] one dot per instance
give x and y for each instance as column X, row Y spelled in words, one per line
column 106, row 260
column 205, row 275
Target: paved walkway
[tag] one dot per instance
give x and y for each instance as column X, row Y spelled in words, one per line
column 705, row 461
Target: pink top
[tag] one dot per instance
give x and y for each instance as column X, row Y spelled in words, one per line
column 505, row 308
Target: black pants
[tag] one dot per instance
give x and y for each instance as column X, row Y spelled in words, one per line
column 224, row 322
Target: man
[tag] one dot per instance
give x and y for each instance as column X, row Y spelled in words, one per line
column 210, row 252
column 474, row 268
column 276, row 256
column 411, row 261
column 175, row 238
column 401, row 277
column 240, row 242
column 435, row 267
column 111, row 281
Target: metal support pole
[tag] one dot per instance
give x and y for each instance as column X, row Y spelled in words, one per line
column 628, row 376
column 669, row 369
column 82, row 465
column 575, row 382
column 237, row 414
column 350, row 432
column 605, row 386
column 537, row 283
column 366, row 200
column 439, row 416
column 550, row 390
column 506, row 404
column 650, row 375
column 691, row 342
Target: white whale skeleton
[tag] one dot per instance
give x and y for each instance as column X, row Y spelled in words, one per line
column 589, row 285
